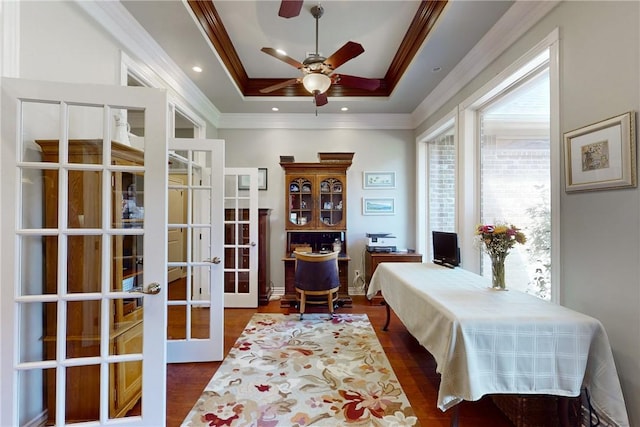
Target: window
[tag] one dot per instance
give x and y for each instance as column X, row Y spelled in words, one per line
column 441, row 183
column 502, row 145
column 437, row 186
column 515, row 177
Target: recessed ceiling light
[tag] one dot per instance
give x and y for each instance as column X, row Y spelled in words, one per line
column 197, row 69
column 281, row 51
column 345, row 109
column 436, row 69
column 275, row 109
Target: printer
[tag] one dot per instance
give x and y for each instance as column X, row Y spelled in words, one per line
column 381, row 242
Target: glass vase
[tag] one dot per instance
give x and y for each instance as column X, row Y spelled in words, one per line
column 497, row 272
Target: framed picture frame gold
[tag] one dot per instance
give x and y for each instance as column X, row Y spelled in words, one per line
column 601, row 156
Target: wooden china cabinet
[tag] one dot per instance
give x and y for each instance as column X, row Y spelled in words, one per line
column 84, row 270
column 316, row 216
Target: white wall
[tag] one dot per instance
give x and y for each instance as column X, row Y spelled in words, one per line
column 599, row 231
column 60, row 44
column 374, row 151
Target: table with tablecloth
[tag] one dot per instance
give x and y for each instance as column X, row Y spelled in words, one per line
column 486, row 341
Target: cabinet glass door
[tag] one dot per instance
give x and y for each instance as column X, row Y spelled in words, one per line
column 301, row 203
column 331, row 202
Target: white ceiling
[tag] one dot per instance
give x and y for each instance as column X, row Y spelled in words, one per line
column 378, row 25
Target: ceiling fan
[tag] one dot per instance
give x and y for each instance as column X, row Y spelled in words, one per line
column 290, row 8
column 318, row 71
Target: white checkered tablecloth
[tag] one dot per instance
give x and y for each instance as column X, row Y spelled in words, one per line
column 486, row 341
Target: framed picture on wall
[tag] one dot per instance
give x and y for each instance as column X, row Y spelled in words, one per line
column 243, row 180
column 378, row 206
column 601, row 156
column 379, row 180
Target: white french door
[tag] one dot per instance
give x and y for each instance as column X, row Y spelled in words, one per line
column 83, row 227
column 195, row 331
column 241, row 237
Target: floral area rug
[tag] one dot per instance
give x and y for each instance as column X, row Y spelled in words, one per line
column 318, row 371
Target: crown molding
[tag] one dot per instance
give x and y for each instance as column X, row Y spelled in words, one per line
column 311, row 121
column 512, row 25
column 119, row 23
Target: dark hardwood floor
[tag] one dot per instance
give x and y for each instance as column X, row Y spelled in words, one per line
column 413, row 365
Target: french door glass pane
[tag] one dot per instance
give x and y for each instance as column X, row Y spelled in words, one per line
column 33, row 248
column 32, row 317
column 45, row 117
column 29, row 402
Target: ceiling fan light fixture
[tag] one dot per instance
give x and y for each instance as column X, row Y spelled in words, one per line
column 316, row 82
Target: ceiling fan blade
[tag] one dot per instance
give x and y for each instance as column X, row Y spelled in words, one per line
column 349, row 51
column 281, row 85
column 358, row 82
column 321, row 99
column 289, row 60
column 290, row 8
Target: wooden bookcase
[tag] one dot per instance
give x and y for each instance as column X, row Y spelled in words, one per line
column 84, row 271
column 316, row 215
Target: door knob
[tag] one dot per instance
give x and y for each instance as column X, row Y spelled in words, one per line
column 214, row 260
column 153, row 289
column 253, row 243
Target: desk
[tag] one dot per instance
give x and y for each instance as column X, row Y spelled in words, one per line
column 372, row 259
column 487, row 342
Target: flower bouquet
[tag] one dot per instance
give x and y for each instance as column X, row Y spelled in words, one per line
column 498, row 240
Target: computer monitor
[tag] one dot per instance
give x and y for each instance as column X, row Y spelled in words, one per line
column 445, row 248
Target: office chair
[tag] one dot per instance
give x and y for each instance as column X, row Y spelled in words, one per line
column 316, row 276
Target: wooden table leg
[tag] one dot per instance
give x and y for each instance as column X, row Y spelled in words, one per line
column 386, row 324
column 455, row 416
